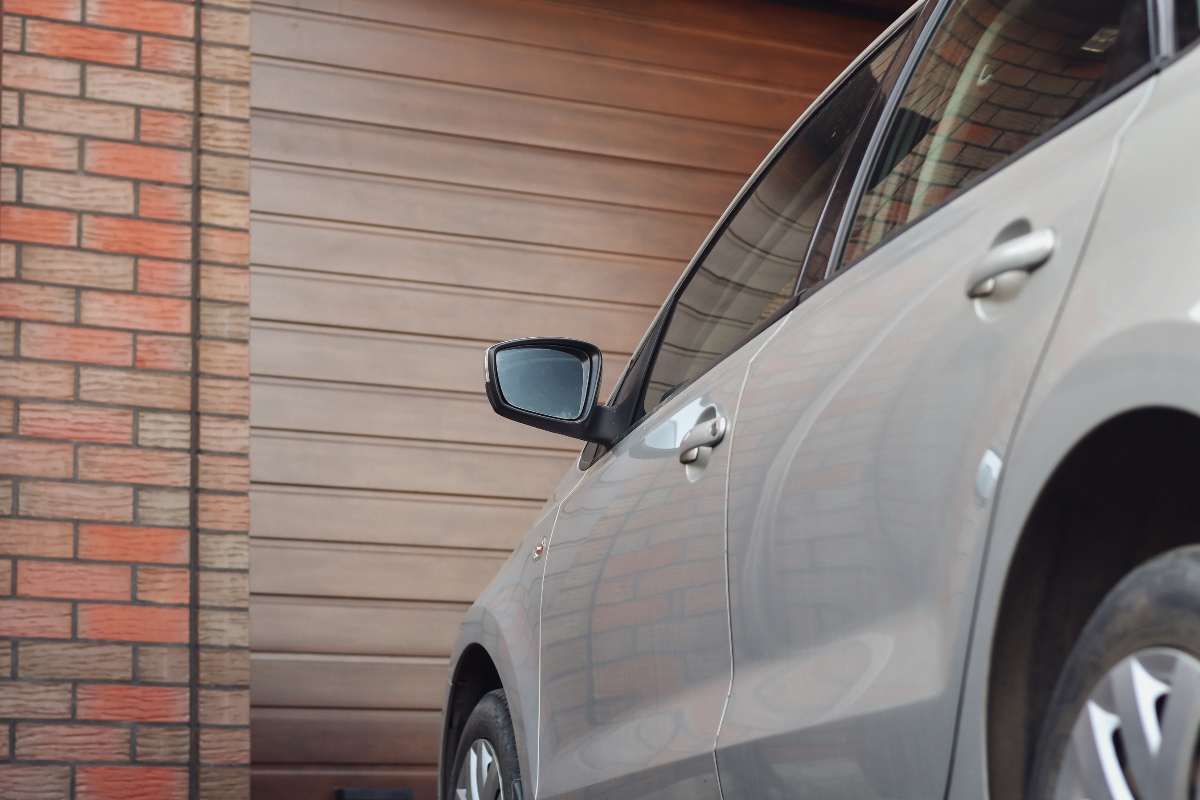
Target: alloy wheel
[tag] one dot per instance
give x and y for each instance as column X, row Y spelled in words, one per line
column 1135, row 737
column 479, row 776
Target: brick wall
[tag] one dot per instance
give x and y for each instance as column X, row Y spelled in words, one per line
column 124, row 399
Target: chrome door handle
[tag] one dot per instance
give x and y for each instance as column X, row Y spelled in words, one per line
column 1025, row 254
column 707, row 434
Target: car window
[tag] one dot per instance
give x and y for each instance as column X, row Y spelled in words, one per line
column 753, row 266
column 994, row 78
column 1187, row 22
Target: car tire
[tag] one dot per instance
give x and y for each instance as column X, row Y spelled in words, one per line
column 1123, row 719
column 485, row 764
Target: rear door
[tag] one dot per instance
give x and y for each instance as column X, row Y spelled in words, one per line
column 635, row 666
column 873, row 427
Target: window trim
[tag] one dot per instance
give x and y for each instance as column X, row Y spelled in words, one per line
column 836, row 267
column 884, row 40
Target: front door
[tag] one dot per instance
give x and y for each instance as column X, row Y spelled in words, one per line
column 874, row 426
column 636, row 659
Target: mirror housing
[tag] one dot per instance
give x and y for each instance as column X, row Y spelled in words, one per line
column 543, row 387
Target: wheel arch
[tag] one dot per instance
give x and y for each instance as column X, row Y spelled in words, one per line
column 1125, row 492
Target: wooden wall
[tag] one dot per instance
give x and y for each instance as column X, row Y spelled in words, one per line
column 430, row 177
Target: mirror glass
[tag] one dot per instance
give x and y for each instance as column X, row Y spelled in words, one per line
column 544, row 380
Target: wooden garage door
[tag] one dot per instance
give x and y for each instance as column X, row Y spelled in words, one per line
column 430, row 177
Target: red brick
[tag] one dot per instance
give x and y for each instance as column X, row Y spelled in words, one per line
column 41, row 74
column 132, row 703
column 134, row 388
column 224, row 512
column 164, row 277
column 35, row 619
column 38, row 226
column 68, row 115
column 164, row 202
column 76, row 423
column 37, row 459
column 136, row 312
column 6, row 573
column 30, row 379
column 133, row 623
column 7, row 415
column 55, row 9
column 80, row 42
column 225, row 246
column 73, row 581
column 142, row 545
column 76, row 501
column 172, row 353
column 224, row 396
column 27, row 537
column 87, row 345
column 224, row 746
column 152, row 16
column 29, row 148
column 35, row 700
column 138, row 237
column 28, row 782
column 231, row 284
column 168, row 55
column 163, row 585
column 134, row 465
column 138, row 161
column 165, row 127
column 71, row 743
column 131, row 783
column 139, row 88
column 30, row 301
column 225, row 473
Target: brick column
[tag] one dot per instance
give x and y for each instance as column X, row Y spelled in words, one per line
column 124, row 399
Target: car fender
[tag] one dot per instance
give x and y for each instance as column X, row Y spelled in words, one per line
column 1150, row 366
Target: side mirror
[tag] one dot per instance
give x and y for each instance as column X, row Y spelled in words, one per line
column 549, row 383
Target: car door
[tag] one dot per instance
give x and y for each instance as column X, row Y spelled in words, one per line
column 635, row 665
column 873, row 427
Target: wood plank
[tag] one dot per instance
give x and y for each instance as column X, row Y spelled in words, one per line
column 340, row 625
column 368, row 357
column 460, row 210
column 769, row 21
column 401, row 413
column 354, row 681
column 341, row 515
column 470, row 111
column 753, row 41
column 324, row 569
column 412, row 466
column 409, row 307
column 320, row 783
column 341, row 736
column 352, row 249
column 381, row 359
column 539, row 71
column 468, row 161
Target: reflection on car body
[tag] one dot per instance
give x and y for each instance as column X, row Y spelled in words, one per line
column 868, row 509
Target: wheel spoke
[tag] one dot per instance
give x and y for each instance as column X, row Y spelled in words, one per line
column 1136, row 693
column 1181, row 716
column 479, row 777
column 1136, row 736
column 1092, row 742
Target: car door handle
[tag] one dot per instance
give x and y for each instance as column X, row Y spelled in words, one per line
column 1025, row 254
column 707, row 434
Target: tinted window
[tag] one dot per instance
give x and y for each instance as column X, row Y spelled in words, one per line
column 753, row 267
column 1187, row 22
column 996, row 76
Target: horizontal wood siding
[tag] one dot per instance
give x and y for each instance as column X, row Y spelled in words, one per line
column 430, row 177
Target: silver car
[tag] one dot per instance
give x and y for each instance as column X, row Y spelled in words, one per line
column 898, row 496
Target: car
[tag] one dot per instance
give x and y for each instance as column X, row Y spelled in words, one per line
column 899, row 496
